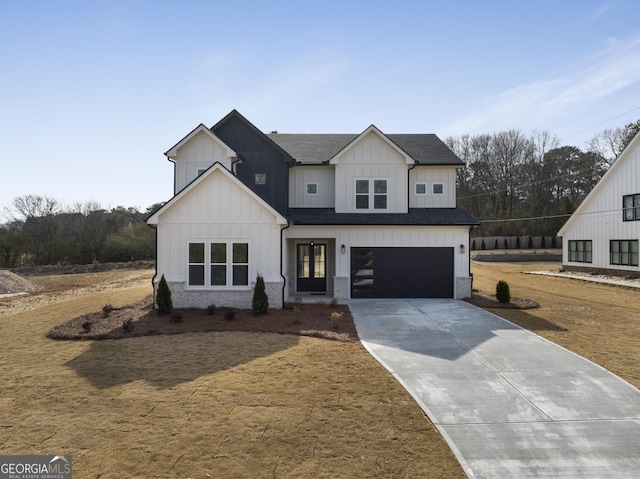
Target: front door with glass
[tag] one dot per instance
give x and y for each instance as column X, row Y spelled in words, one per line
column 312, row 265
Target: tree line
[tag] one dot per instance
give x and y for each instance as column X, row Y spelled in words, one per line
column 519, row 184
column 40, row 231
column 515, row 184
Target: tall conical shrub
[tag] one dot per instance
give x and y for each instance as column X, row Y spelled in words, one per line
column 260, row 302
column 163, row 297
column 502, row 292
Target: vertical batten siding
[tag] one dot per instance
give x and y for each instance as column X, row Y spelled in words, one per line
column 371, row 158
column 199, row 153
column 218, row 209
column 601, row 218
column 430, row 175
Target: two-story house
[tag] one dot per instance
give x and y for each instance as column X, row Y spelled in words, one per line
column 604, row 231
column 365, row 215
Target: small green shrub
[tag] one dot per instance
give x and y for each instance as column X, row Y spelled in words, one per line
column 554, row 242
column 176, row 317
column 163, row 297
column 229, row 315
column 517, row 242
column 86, row 326
column 495, row 244
column 106, row 310
column 211, row 309
column 127, row 326
column 506, row 244
column 530, row 243
column 260, row 302
column 333, row 302
column 483, row 246
column 473, row 244
column 543, row 243
column 502, row 292
column 297, row 312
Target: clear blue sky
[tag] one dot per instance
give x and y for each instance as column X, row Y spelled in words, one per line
column 93, row 92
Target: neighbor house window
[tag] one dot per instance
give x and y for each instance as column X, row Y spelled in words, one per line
column 438, row 188
column 631, row 207
column 371, row 192
column 312, row 188
column 580, row 251
column 624, row 252
column 421, row 189
column 218, row 264
column 201, row 170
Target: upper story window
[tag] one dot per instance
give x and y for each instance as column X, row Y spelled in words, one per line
column 631, row 207
column 421, row 189
column 260, row 179
column 624, row 252
column 580, row 251
column 371, row 194
column 438, row 188
column 201, row 170
column 312, row 188
column 218, row 264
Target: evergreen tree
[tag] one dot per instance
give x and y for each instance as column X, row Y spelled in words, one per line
column 163, row 297
column 260, row 302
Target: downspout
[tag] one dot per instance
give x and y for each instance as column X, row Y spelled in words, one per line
column 233, row 162
column 409, row 185
column 284, row 280
column 155, row 275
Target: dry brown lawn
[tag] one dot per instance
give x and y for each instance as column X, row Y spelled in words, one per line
column 600, row 322
column 199, row 405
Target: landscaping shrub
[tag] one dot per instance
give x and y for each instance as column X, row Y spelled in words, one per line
column 106, row 310
column 506, row 244
column 517, row 242
column 502, row 292
column 473, row 245
column 176, row 317
column 211, row 309
column 554, row 242
column 543, row 243
column 483, row 246
column 229, row 315
column 530, row 243
column 86, row 326
column 163, row 297
column 260, row 301
column 335, row 319
column 127, row 326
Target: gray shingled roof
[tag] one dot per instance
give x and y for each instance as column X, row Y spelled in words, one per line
column 426, row 149
column 416, row 216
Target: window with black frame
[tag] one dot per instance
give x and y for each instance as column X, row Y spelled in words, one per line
column 580, row 251
column 631, row 207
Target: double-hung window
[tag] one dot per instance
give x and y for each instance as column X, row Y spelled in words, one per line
column 218, row 264
column 371, row 194
column 631, row 207
column 580, row 251
column 624, row 252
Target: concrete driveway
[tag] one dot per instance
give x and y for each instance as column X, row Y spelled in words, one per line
column 508, row 402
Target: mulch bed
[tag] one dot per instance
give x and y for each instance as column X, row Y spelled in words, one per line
column 488, row 301
column 312, row 320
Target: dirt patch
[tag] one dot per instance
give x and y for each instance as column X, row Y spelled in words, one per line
column 139, row 319
column 11, row 283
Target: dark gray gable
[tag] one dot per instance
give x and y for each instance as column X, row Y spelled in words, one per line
column 426, row 149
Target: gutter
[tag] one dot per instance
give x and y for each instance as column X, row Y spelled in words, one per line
column 409, row 186
column 155, row 275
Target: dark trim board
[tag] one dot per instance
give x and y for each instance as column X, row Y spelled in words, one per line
column 402, row 272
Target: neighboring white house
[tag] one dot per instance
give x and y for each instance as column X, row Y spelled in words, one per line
column 603, row 233
column 345, row 216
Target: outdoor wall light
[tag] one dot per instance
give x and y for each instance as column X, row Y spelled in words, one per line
column 342, row 249
column 461, row 249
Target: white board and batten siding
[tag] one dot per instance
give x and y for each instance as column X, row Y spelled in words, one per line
column 218, row 208
column 600, row 217
column 302, row 176
column 371, row 157
column 430, row 176
column 199, row 153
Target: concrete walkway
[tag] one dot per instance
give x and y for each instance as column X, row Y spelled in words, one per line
column 509, row 403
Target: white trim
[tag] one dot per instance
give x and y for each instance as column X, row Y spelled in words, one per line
column 216, row 167
column 408, row 160
column 173, row 151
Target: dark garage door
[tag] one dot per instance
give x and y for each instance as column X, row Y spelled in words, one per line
column 401, row 272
